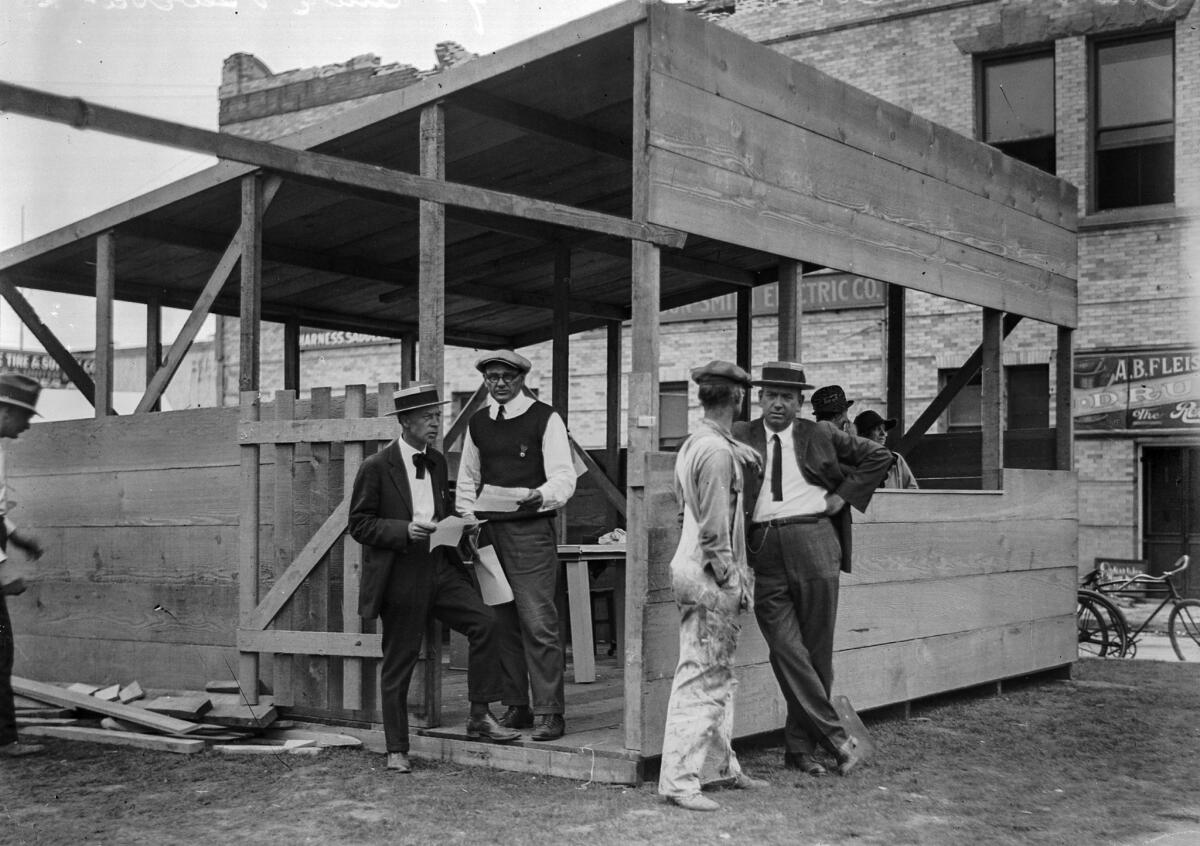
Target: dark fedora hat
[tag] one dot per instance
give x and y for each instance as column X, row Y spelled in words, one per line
column 783, row 374
column 21, row 391
column 868, row 420
column 720, row 371
column 417, row 396
column 831, row 399
column 512, row 359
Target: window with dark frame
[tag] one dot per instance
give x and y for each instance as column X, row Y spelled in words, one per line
column 1017, row 106
column 1026, row 390
column 1134, row 109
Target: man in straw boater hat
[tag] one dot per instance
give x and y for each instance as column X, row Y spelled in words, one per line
column 713, row 584
column 399, row 495
column 517, row 442
column 18, row 403
column 799, row 537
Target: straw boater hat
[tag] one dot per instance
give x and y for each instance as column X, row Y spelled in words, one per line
column 720, row 371
column 417, row 396
column 831, row 399
column 20, row 391
column 512, row 359
column 783, row 374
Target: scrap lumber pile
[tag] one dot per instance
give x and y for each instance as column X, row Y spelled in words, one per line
column 184, row 722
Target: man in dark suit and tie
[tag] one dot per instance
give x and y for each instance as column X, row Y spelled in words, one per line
column 399, row 495
column 798, row 539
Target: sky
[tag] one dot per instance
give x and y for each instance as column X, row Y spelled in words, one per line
column 163, row 58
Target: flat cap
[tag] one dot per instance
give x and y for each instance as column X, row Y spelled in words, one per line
column 783, row 374
column 718, row 371
column 512, row 359
column 831, row 398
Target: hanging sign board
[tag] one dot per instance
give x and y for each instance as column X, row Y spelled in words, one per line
column 1140, row 390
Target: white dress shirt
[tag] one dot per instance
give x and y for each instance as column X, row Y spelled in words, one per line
column 557, row 460
column 422, row 489
column 800, row 497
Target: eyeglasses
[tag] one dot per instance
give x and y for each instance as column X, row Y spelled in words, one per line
column 506, row 378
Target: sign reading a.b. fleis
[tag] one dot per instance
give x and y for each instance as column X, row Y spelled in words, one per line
column 1139, row 390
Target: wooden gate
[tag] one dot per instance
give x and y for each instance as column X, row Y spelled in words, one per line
column 300, row 571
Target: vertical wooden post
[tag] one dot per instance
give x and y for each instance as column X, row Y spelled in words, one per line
column 991, row 402
column 1064, row 384
column 642, row 420
column 893, row 362
column 745, row 339
column 106, row 283
column 314, row 682
column 352, row 458
column 408, row 360
column 291, row 355
column 283, row 532
column 790, row 310
column 153, row 343
column 248, row 549
column 612, row 427
column 560, row 385
column 432, row 282
column 251, row 300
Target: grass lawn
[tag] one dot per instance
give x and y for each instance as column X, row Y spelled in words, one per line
column 1110, row 757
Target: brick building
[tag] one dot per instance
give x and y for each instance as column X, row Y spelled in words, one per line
column 1102, row 92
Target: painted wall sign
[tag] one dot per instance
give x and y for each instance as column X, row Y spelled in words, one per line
column 1140, row 390
column 820, row 292
column 315, row 339
column 41, row 366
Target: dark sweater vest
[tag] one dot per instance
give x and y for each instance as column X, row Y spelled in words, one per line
column 510, row 454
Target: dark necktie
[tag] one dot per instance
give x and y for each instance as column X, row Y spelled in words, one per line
column 421, row 462
column 776, row 470
column 500, row 413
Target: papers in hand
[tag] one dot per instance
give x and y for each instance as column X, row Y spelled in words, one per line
column 498, row 499
column 448, row 532
column 492, row 583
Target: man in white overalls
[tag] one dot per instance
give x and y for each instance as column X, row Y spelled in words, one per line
column 713, row 583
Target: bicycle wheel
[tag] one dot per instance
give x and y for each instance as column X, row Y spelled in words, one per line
column 1091, row 628
column 1116, row 631
column 1184, row 627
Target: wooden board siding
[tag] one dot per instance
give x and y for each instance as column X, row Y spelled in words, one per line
column 751, row 147
column 948, row 590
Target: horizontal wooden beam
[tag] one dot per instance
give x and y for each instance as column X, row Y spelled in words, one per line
column 317, row 431
column 283, row 642
column 543, row 123
column 328, row 169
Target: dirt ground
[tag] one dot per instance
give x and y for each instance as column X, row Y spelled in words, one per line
column 1110, row 757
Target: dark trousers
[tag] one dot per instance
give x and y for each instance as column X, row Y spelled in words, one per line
column 8, row 711
column 531, row 649
column 796, row 570
column 421, row 585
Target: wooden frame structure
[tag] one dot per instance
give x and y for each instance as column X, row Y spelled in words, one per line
column 668, row 161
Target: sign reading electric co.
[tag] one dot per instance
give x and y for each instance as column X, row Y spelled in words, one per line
column 819, row 292
column 1144, row 389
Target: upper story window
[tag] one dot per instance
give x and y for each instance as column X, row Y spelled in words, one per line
column 1026, row 392
column 1135, row 121
column 1017, row 114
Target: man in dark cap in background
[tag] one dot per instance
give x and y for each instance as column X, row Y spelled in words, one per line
column 399, row 495
column 519, row 442
column 799, row 537
column 712, row 584
column 829, row 405
column 870, row 425
column 18, row 403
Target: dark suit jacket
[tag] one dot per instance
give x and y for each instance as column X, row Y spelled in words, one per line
column 380, row 512
column 844, row 464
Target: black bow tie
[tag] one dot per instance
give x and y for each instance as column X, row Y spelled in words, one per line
column 421, row 461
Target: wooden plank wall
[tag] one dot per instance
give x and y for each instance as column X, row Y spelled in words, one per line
column 750, row 146
column 949, row 590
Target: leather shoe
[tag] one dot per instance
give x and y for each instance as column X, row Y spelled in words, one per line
column 694, row 802
column 485, row 727
column 745, row 782
column 851, row 755
column 398, row 762
column 805, row 763
column 517, row 717
column 552, row 727
column 20, row 750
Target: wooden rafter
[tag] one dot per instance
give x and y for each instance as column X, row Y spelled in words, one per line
column 543, row 123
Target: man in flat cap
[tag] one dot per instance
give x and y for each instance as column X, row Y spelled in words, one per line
column 830, row 405
column 18, row 403
column 799, row 537
column 872, row 426
column 399, row 495
column 713, row 584
column 516, row 441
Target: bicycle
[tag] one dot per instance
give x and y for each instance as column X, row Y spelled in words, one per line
column 1103, row 630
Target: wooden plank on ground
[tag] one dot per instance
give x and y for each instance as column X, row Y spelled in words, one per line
column 178, row 745
column 231, row 709
column 183, row 707
column 131, row 693
column 320, row 738
column 109, row 694
column 66, row 698
column 44, row 713
column 83, row 688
